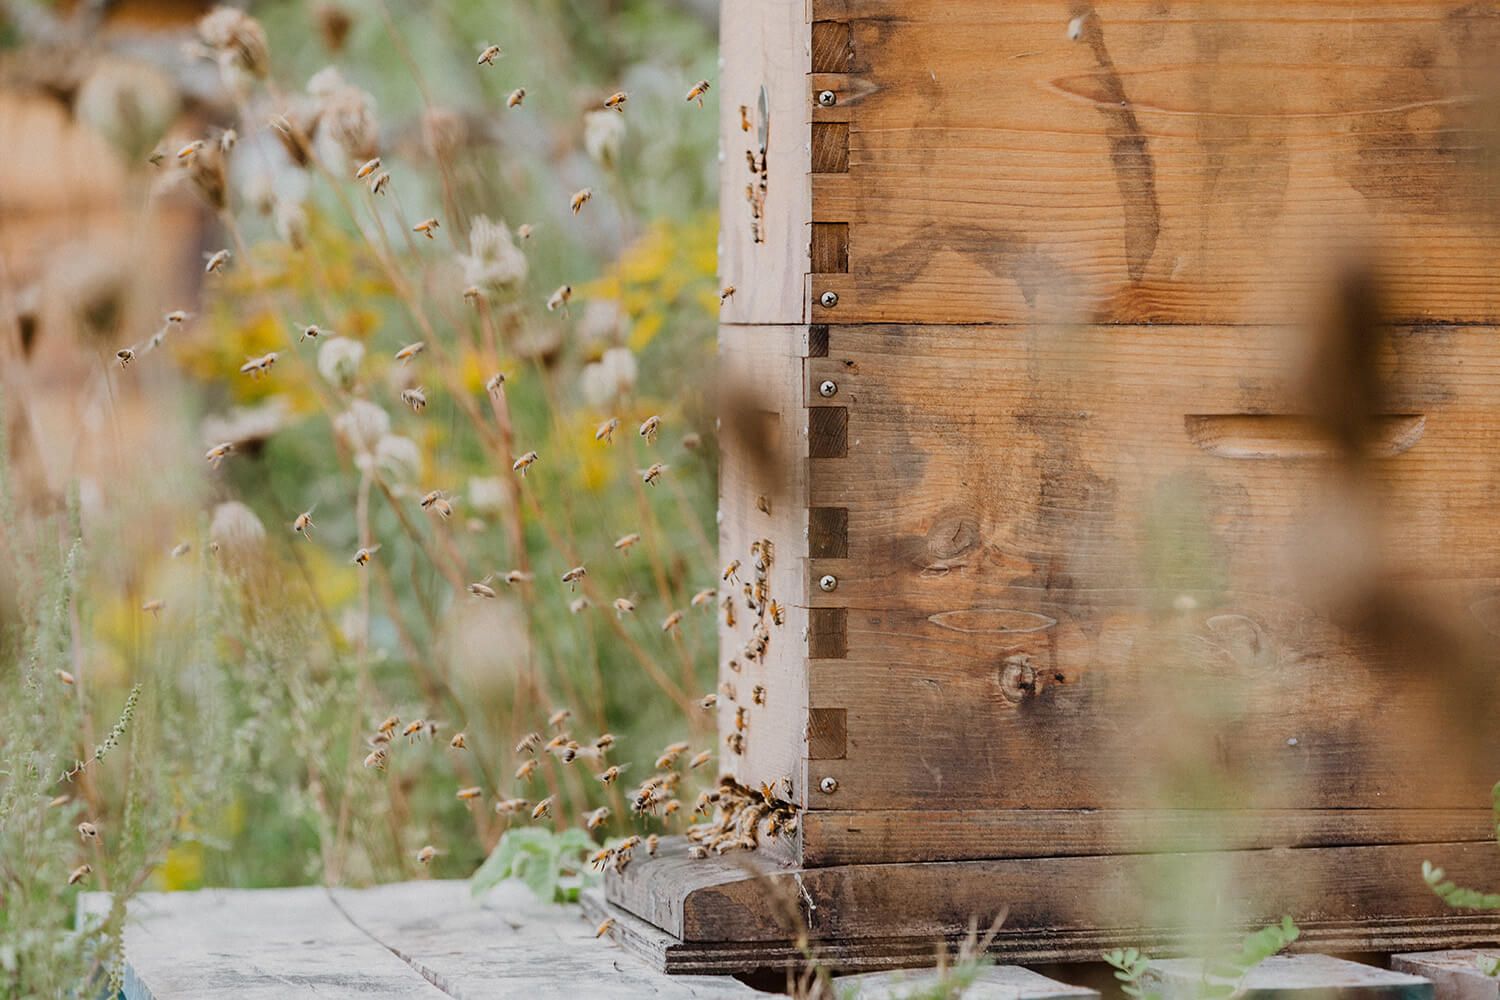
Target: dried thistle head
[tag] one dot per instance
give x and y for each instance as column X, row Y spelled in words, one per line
column 237, row 40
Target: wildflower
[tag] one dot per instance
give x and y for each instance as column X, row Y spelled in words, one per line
column 398, row 459
column 604, row 323
column 362, row 425
column 612, row 376
column 487, row 495
column 291, row 224
column 235, row 526
column 237, row 40
column 345, row 114
column 339, row 360
column 444, row 132
column 493, row 261
column 603, row 136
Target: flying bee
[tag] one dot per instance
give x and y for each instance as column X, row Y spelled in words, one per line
column 630, row 843
column 413, row 730
column 670, row 807
column 736, row 743
column 256, row 367
column 527, row 769
column 303, row 524
column 495, row 384
column 649, row 427
column 600, row 858
column 181, row 549
column 191, row 149
column 524, row 231
column 215, row 261
column 125, row 356
column 709, row 701
column 426, row 854
column 651, row 475
column 543, row 807
column 482, row 590
column 88, row 831
column 459, row 742
column 525, row 462
column 367, row 168
column 473, row 295
column 669, row 756
column 379, row 739
column 218, row 453
column 364, row 555
column 430, row 499
column 470, row 793
column 606, row 431
column 559, row 299
column 624, row 542
column 426, row 228
column 744, row 118
column 758, row 694
column 389, row 725
column 611, row 774
column 577, row 604
column 516, row 97
column 616, row 101
column 415, row 398
column 376, row 758
column 155, row 606
column 79, row 874
column 572, row 576
column 777, row 613
column 726, row 294
column 488, row 55
column 580, row 198
column 557, row 718
column 529, row 743
column 692, row 441
column 699, row 759
column 380, row 182
column 597, row 818
column 670, row 623
column 698, row 90
column 509, row 807
column 604, row 742
column 703, row 598
column 177, row 317
column 410, row 351
column 731, row 572
column 557, row 743
column 604, row 927
column 311, row 331
column 516, row 576
column 652, row 842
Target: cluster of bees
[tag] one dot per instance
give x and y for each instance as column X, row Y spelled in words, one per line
column 765, row 608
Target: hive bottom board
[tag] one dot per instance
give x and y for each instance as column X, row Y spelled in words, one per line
column 742, row 912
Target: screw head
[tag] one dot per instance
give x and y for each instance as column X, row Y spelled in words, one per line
column 829, row 299
column 828, row 388
column 828, row 98
column 829, row 582
column 828, row 785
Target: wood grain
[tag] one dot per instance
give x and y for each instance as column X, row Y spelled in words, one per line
column 1292, row 977
column 1172, row 163
column 1454, row 973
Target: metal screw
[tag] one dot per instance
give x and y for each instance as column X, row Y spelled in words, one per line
column 828, row 98
column 828, row 785
column 829, row 299
column 829, row 582
column 828, row 388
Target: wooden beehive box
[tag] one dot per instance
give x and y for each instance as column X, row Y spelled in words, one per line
column 1087, row 605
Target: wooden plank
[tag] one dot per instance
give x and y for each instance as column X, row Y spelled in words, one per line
column 1003, row 982
column 1039, row 547
column 264, row 943
column 885, row 836
column 1455, row 973
column 766, row 49
column 1293, row 977
column 1162, row 163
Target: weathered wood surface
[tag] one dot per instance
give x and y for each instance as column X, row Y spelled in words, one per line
column 1140, row 161
column 1454, row 973
column 1294, row 977
column 1004, row 982
column 414, row 939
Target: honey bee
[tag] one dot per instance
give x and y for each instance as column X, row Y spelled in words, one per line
column 516, row 97
column 380, row 182
column 611, row 774
column 744, row 118
column 692, row 441
column 572, row 576
column 624, row 542
column 311, row 331
column 215, row 261
column 777, row 613
column 651, row 475
column 482, row 590
column 741, row 719
column 191, row 149
column 379, row 739
column 543, row 807
column 616, row 101
column 470, row 793
column 649, row 428
column 606, row 431
column 600, row 858
column 669, row 755
column 125, row 356
column 597, row 818
column 726, row 294
column 154, row 607
column 736, row 743
column 426, row 228
column 177, row 317
column 218, row 453
column 527, row 769
column 604, row 927
column 389, row 725
column 580, row 198
column 652, row 843
column 410, row 351
column 604, row 742
column 529, row 743
column 699, row 759
column 367, row 168
column 709, row 701
column 525, row 462
column 256, row 367
column 509, row 807
column 426, row 854
column 758, row 694
column 459, row 742
column 698, row 90
column 559, row 299
column 438, row 504
column 703, row 598
column 413, row 730
column 729, row 613
column 731, row 572
column 79, row 874
column 697, row 852
column 303, row 525
column 415, row 398
column 557, row 718
column 524, row 231
column 364, row 555
column 181, row 549
column 495, row 384
column 630, row 843
column 670, row 623
column 577, row 604
column 488, row 55
column 516, row 576
column 670, row 807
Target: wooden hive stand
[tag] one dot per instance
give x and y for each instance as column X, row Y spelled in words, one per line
column 1016, row 286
